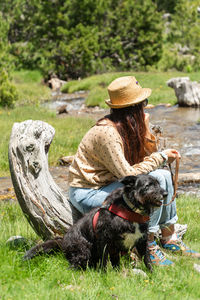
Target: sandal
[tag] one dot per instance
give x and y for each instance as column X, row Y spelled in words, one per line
column 179, row 247
column 156, row 255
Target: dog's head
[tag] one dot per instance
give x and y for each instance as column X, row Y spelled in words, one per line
column 144, row 192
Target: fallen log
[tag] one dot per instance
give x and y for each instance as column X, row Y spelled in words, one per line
column 43, row 203
column 186, row 178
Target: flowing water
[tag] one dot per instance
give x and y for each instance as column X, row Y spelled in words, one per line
column 181, row 129
column 73, row 102
column 181, row 126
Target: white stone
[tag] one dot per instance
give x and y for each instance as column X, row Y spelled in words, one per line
column 187, row 92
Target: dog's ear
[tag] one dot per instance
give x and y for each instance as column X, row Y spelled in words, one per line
column 128, row 180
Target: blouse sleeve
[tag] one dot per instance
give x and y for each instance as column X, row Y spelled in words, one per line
column 111, row 154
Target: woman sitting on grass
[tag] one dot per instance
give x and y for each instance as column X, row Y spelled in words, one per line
column 121, row 144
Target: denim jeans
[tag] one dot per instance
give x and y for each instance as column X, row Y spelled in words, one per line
column 165, row 215
column 85, row 199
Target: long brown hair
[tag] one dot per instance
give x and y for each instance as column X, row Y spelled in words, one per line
column 130, row 124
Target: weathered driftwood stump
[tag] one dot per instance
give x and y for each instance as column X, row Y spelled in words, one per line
column 187, row 92
column 45, row 206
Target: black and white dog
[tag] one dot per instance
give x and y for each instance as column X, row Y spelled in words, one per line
column 117, row 226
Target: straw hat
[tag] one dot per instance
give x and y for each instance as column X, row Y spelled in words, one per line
column 126, row 91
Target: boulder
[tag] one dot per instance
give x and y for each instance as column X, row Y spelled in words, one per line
column 187, row 92
column 55, row 84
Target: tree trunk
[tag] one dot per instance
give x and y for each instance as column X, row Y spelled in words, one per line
column 45, row 206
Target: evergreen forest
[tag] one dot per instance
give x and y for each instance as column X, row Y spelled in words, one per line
column 77, row 38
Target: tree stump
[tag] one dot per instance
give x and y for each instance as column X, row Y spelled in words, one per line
column 187, row 92
column 43, row 203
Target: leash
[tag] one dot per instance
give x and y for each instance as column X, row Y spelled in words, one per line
column 174, row 179
column 158, row 133
column 132, row 216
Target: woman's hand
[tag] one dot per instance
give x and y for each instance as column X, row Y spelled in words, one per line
column 172, row 154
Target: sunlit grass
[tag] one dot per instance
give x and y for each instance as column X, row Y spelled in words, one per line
column 30, row 87
column 49, row 277
column 97, row 85
column 69, row 132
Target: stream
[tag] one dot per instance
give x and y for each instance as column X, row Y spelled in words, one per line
column 180, row 125
column 181, row 129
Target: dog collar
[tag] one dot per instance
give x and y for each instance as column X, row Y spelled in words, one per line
column 130, row 216
column 124, row 213
column 130, row 204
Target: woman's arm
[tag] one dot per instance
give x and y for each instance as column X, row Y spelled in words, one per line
column 111, row 155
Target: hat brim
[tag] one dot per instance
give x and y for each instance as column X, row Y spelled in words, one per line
column 145, row 93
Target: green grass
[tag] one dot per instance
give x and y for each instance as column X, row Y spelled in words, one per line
column 97, row 85
column 30, row 87
column 69, row 132
column 49, row 277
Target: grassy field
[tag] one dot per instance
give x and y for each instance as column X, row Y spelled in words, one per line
column 97, row 85
column 32, row 93
column 69, row 132
column 30, row 87
column 49, row 277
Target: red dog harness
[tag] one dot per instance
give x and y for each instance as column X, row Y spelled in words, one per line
column 124, row 213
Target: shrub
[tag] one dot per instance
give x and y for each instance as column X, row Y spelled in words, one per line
column 8, row 92
column 181, row 48
column 6, row 60
column 81, row 38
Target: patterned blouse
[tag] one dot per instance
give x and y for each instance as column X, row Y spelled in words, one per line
column 100, row 158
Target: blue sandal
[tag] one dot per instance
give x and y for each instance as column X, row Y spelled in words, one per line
column 156, row 255
column 178, row 246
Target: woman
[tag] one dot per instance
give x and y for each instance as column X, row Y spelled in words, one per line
column 121, row 144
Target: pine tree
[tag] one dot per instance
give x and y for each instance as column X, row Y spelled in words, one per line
column 74, row 38
column 8, row 93
column 184, row 35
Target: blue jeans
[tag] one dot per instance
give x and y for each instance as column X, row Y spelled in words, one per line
column 85, row 199
column 165, row 215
